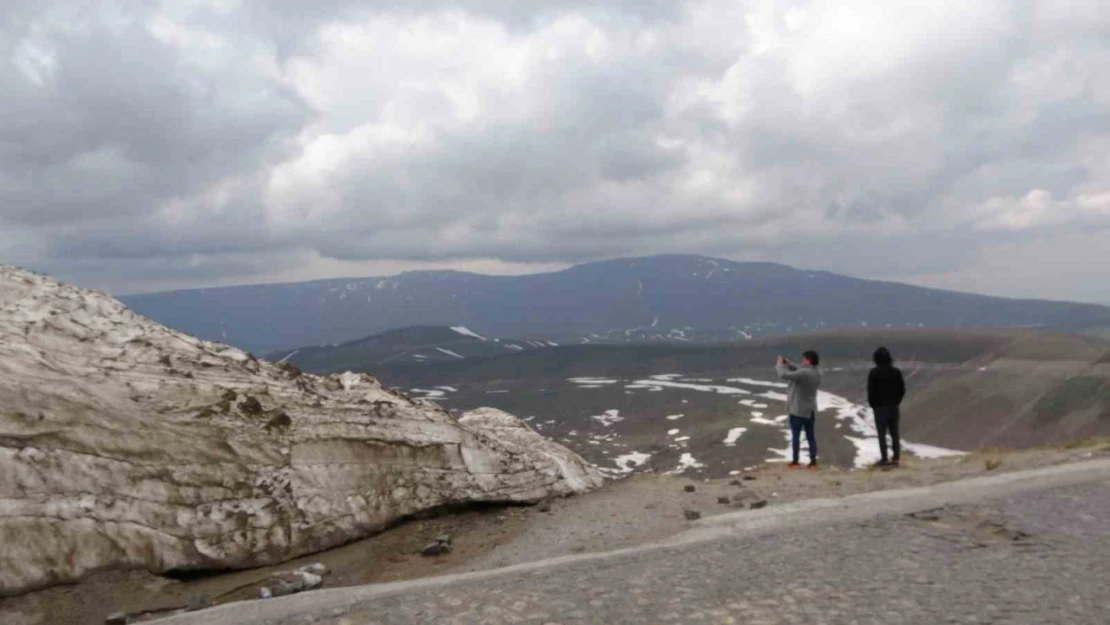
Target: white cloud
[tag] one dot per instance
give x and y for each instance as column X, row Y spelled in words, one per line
column 218, row 136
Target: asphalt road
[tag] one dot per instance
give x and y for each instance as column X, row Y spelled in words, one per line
column 1029, row 547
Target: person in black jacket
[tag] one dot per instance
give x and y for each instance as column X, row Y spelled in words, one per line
column 885, row 390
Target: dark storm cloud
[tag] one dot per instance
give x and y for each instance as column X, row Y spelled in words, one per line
column 210, row 141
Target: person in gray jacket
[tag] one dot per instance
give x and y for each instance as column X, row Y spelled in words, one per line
column 801, row 403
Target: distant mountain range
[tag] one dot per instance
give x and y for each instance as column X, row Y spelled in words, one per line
column 659, row 298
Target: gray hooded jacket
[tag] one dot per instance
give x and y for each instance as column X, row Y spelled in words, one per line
column 802, row 391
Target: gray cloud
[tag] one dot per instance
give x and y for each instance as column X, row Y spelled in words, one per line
column 207, row 142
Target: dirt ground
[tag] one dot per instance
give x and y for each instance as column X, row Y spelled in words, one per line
column 624, row 513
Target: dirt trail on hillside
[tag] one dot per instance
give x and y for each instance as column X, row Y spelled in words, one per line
column 625, row 513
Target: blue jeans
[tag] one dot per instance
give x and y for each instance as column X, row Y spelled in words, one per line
column 797, row 424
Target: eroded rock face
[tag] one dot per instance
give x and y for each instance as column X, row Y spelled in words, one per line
column 124, row 444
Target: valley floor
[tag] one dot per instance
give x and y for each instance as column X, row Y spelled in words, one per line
column 629, row 512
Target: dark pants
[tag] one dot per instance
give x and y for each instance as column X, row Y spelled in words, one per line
column 797, row 424
column 886, row 420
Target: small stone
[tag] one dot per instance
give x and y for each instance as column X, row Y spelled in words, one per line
column 251, row 406
column 265, row 593
column 631, row 464
column 756, row 505
column 749, row 478
column 724, row 500
column 689, row 488
column 435, row 549
column 735, row 483
column 545, row 507
column 444, row 539
column 691, row 515
column 116, row 618
column 992, row 464
column 198, row 602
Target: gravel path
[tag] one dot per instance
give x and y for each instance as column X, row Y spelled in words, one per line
column 1009, row 549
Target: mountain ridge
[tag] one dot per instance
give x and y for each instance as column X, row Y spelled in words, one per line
column 674, row 297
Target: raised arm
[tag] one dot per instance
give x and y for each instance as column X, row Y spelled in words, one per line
column 789, row 372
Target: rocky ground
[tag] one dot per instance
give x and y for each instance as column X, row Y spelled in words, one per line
column 625, row 513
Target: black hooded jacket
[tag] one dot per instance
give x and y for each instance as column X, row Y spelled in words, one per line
column 885, row 387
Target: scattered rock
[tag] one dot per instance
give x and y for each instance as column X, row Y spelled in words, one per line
column 229, row 395
column 631, row 464
column 749, row 478
column 756, row 505
column 432, row 550
column 691, row 515
column 992, row 464
column 251, row 406
column 735, row 483
column 545, row 507
column 444, row 539
column 116, row 618
column 724, row 500
column 199, row 602
column 689, row 488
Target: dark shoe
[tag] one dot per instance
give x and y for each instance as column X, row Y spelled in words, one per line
column 894, row 464
column 812, row 466
column 882, row 464
column 794, row 465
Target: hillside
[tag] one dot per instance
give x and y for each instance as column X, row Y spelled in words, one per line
column 125, row 445
column 661, row 298
column 968, row 390
column 419, row 345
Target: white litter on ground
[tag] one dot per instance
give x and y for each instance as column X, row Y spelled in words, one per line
column 673, row 432
column 675, row 417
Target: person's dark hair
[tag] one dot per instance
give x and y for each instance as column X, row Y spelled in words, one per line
column 882, row 357
column 812, row 357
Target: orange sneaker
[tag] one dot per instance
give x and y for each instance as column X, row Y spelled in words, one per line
column 793, row 465
column 812, row 466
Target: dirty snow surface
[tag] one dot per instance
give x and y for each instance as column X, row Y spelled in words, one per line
column 127, row 445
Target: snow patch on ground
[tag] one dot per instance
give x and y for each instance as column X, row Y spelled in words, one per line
column 635, row 458
column 673, row 432
column 465, row 331
column 430, row 393
column 685, row 463
column 675, row 417
column 753, row 382
column 448, row 352
column 734, row 435
column 656, row 383
column 609, row 418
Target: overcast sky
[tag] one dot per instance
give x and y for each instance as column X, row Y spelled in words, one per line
column 964, row 144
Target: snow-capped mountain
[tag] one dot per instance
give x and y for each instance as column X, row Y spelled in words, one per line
column 661, row 298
